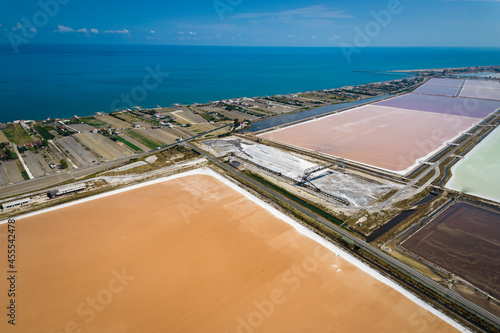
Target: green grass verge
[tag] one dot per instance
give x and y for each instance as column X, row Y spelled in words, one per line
column 149, row 142
column 291, row 196
column 18, row 135
column 131, row 145
column 93, row 121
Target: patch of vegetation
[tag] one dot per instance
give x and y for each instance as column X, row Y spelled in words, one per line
column 206, row 116
column 44, row 132
column 64, row 164
column 131, row 145
column 388, row 195
column 61, row 131
column 10, row 154
column 293, row 197
column 93, row 121
column 149, row 142
column 17, row 135
column 428, row 176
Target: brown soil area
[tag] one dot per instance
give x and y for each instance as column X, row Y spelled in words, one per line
column 464, row 240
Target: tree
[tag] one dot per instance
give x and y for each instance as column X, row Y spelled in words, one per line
column 64, row 164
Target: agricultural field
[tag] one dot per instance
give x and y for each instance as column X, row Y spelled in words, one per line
column 77, row 153
column 3, row 138
column 93, row 121
column 114, row 122
column 17, row 135
column 158, row 134
column 229, row 114
column 103, row 146
column 148, row 141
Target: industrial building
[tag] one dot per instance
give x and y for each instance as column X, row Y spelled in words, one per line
column 67, row 189
column 16, row 203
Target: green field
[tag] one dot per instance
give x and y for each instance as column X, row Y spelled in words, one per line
column 44, row 132
column 149, row 142
column 131, row 145
column 93, row 121
column 18, row 135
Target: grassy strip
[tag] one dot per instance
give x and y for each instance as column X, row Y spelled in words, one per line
column 291, row 196
column 131, row 145
column 388, row 195
column 17, row 135
column 150, row 143
column 206, row 116
column 93, row 121
column 428, row 176
column 44, row 132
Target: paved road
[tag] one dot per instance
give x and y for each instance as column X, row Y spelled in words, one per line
column 362, row 244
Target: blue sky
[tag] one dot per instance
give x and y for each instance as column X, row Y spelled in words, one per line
column 469, row 23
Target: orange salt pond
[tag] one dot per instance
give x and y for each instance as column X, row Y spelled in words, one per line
column 191, row 254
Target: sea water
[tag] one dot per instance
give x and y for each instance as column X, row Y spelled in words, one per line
column 48, row 80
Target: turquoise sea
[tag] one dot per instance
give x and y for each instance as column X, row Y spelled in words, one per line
column 65, row 80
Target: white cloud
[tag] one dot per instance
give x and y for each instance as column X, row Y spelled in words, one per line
column 314, row 37
column 63, row 29
column 120, row 32
column 84, row 31
column 153, row 32
column 180, row 32
column 313, row 12
column 290, row 36
column 18, row 26
column 192, row 33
